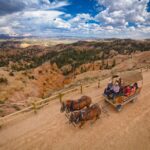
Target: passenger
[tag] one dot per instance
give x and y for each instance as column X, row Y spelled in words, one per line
column 127, row 90
column 136, row 86
column 119, row 82
column 108, row 89
column 121, row 93
column 133, row 90
column 115, row 89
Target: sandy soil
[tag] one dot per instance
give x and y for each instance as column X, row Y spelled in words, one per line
column 49, row 129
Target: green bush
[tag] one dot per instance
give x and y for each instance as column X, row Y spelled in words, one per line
column 3, row 80
column 1, row 114
column 114, row 63
column 2, row 101
column 11, row 74
column 31, row 77
column 16, row 107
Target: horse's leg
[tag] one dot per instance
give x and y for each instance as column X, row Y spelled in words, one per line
column 94, row 120
column 81, row 124
column 67, row 110
column 98, row 116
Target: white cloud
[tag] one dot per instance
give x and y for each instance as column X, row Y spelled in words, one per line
column 81, row 18
column 59, row 4
column 60, row 23
column 120, row 12
column 67, row 16
column 41, row 15
column 12, row 6
column 8, row 30
column 28, row 21
column 30, row 16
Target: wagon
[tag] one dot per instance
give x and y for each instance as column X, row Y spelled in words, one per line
column 127, row 78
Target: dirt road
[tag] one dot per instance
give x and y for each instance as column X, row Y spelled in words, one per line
column 49, row 129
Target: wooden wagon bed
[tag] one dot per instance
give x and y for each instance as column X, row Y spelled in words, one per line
column 121, row 101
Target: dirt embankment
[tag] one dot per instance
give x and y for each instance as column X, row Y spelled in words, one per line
column 49, row 129
column 22, row 88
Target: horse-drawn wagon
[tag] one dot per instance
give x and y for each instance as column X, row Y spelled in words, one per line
column 126, row 79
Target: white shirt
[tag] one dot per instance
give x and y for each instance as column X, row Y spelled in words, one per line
column 116, row 88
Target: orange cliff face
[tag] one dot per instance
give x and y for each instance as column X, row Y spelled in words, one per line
column 48, row 78
column 30, row 84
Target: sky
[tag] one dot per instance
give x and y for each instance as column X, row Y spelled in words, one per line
column 76, row 18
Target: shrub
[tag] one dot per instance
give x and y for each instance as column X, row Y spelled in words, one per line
column 16, row 107
column 114, row 63
column 31, row 77
column 24, row 73
column 2, row 101
column 11, row 74
column 1, row 115
column 3, row 80
column 40, row 71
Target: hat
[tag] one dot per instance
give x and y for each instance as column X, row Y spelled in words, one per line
column 116, row 83
column 109, row 81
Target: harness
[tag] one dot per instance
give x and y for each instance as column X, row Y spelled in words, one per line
column 71, row 106
column 81, row 115
column 78, row 105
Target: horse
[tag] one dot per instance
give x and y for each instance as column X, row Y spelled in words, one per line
column 72, row 105
column 93, row 112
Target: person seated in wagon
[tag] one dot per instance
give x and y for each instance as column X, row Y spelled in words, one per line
column 108, row 90
column 130, row 89
column 112, row 90
column 115, row 90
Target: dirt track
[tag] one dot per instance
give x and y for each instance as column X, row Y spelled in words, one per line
column 49, row 130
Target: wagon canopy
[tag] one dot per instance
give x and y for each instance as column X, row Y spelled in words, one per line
column 131, row 77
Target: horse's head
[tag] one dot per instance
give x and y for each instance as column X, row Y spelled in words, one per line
column 74, row 117
column 63, row 107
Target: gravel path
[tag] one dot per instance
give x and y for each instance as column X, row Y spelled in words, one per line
column 49, row 129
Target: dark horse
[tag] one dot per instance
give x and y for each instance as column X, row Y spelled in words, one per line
column 93, row 112
column 72, row 105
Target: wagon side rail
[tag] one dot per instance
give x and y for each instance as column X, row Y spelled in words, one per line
column 125, row 100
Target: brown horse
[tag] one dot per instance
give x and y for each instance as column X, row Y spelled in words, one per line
column 93, row 112
column 72, row 105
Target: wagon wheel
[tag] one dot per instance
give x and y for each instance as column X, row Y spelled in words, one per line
column 119, row 108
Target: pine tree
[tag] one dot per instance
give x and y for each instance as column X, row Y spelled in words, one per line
column 114, row 63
